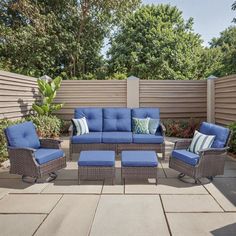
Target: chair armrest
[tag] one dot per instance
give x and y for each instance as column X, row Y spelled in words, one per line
column 182, row 143
column 213, row 151
column 30, row 150
column 50, row 143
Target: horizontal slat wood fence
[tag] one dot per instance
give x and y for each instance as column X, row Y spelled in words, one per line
column 176, row 99
column 225, row 100
column 17, row 94
column 90, row 93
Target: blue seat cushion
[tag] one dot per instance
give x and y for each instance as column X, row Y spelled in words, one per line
column 44, row 155
column 147, row 138
column 22, row 135
column 92, row 137
column 116, row 119
column 221, row 134
column 94, row 117
column 97, row 158
column 117, row 137
column 139, row 158
column 186, row 156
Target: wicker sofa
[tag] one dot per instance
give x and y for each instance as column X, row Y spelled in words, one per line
column 110, row 129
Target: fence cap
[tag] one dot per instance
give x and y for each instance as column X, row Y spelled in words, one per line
column 212, row 77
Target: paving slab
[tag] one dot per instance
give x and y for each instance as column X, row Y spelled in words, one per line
column 28, row 203
column 224, row 191
column 230, row 164
column 72, row 187
column 26, row 226
column 120, row 215
column 164, row 186
column 190, row 203
column 196, row 224
column 228, row 173
column 73, row 215
column 17, row 186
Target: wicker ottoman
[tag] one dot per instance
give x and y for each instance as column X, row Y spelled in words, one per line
column 96, row 165
column 139, row 164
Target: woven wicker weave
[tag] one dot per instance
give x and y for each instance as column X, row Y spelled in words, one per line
column 211, row 162
column 96, row 173
column 22, row 160
column 138, row 173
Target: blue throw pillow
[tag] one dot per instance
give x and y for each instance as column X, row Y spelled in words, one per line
column 153, row 125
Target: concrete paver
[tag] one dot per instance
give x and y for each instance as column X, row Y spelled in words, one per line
column 20, row 224
column 190, row 203
column 72, row 216
column 195, row 224
column 28, row 203
column 119, row 215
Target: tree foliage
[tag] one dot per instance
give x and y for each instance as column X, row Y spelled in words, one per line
column 234, row 9
column 226, row 44
column 49, row 37
column 156, row 43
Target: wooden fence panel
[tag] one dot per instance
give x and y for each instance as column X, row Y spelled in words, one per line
column 17, row 94
column 225, row 100
column 90, row 93
column 176, row 99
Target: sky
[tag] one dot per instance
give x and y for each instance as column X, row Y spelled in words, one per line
column 210, row 16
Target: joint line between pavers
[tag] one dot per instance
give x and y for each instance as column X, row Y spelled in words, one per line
column 48, row 215
column 162, row 205
column 89, row 232
column 214, row 198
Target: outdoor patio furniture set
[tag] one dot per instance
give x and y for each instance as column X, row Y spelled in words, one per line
column 99, row 134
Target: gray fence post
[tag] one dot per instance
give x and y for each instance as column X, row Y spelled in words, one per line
column 211, row 99
column 133, row 92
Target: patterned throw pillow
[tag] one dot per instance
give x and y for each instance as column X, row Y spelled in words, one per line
column 153, row 125
column 80, row 126
column 200, row 141
column 140, row 126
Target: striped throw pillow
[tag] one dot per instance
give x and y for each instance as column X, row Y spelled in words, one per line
column 80, row 126
column 200, row 141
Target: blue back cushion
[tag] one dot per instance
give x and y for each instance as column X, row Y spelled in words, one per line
column 220, row 132
column 116, row 119
column 22, row 135
column 153, row 113
column 93, row 116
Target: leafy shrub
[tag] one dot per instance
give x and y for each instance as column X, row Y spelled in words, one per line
column 47, row 126
column 4, row 123
column 48, row 90
column 181, row 128
column 233, row 138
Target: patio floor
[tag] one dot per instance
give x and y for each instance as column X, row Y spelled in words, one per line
column 136, row 208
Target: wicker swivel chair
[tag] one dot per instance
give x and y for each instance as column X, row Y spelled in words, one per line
column 31, row 156
column 209, row 162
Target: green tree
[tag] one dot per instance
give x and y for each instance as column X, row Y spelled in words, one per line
column 234, row 9
column 226, row 44
column 50, row 37
column 156, row 43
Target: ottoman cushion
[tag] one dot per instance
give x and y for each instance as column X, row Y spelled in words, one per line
column 139, row 159
column 97, row 158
